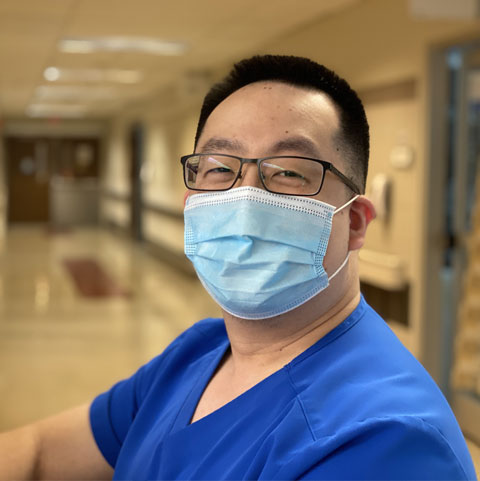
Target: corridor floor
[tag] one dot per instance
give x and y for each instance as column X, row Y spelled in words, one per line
column 59, row 348
column 61, row 343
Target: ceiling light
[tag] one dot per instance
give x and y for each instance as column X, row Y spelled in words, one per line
column 444, row 9
column 56, row 110
column 149, row 45
column 53, row 74
column 71, row 45
column 70, row 92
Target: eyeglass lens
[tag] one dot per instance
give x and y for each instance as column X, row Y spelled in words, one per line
column 285, row 175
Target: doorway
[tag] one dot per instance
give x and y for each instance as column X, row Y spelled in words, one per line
column 52, row 180
column 28, row 175
column 453, row 170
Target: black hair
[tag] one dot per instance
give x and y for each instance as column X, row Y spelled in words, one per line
column 302, row 72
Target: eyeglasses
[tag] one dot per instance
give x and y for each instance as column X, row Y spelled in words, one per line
column 291, row 175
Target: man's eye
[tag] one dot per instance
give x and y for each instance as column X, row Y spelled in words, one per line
column 290, row 173
column 219, row 170
column 288, row 176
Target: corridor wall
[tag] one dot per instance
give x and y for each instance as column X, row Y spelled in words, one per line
column 169, row 123
column 114, row 181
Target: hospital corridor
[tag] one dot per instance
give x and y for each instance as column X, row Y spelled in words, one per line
column 99, row 104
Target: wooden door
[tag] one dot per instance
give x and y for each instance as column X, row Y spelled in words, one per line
column 28, row 180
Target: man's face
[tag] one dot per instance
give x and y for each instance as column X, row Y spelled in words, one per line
column 272, row 118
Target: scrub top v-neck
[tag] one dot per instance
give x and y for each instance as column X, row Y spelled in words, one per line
column 302, row 421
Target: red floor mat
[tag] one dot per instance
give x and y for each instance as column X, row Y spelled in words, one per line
column 92, row 280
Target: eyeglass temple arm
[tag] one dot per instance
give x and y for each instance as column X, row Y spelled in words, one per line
column 344, row 179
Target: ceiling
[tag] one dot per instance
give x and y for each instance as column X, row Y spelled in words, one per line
column 213, row 31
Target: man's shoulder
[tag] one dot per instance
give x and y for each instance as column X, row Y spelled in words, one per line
column 211, row 327
column 180, row 363
column 200, row 339
column 365, row 383
column 366, row 372
column 211, row 331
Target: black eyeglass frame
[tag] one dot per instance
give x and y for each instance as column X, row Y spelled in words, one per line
column 326, row 166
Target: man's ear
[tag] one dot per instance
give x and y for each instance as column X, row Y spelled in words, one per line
column 362, row 212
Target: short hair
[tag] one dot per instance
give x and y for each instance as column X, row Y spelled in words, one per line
column 301, row 72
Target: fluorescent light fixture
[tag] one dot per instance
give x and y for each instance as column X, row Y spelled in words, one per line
column 52, row 74
column 445, row 9
column 70, row 92
column 56, row 110
column 149, row 45
column 72, row 45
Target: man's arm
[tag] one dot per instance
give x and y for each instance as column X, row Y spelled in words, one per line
column 60, row 447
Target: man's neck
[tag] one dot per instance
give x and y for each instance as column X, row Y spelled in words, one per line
column 264, row 346
column 258, row 348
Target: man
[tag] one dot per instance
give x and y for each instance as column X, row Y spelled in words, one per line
column 301, row 380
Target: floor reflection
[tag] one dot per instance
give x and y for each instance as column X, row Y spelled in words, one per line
column 59, row 348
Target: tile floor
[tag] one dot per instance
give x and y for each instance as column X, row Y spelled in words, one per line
column 59, row 349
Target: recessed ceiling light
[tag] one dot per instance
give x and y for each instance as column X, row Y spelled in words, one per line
column 122, row 44
column 52, row 74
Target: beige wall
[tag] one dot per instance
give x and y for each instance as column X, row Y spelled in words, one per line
column 169, row 123
column 167, row 141
column 115, row 176
column 384, row 54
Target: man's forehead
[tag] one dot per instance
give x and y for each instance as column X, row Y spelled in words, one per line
column 297, row 117
column 276, row 97
column 297, row 143
column 264, row 87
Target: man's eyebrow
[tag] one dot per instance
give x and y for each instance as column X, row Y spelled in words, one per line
column 300, row 145
column 220, row 144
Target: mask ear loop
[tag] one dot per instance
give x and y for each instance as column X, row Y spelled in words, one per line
column 336, row 211
column 344, row 263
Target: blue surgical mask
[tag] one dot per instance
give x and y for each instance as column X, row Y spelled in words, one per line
column 259, row 254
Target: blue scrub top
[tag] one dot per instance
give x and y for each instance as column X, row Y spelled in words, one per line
column 355, row 405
